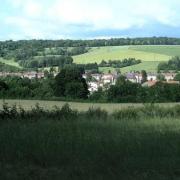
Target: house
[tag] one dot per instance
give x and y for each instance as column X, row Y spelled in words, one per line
column 131, row 77
column 152, row 77
column 97, row 77
column 33, row 75
column 169, row 76
column 40, row 75
column 94, row 86
column 29, row 75
column 108, row 79
column 138, row 78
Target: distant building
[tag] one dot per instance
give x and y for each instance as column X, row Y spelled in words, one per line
column 131, row 77
column 152, row 77
column 97, row 77
column 108, row 79
column 169, row 76
column 29, row 75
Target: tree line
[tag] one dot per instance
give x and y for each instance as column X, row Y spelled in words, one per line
column 172, row 64
column 70, row 84
column 47, row 61
column 119, row 63
column 41, row 44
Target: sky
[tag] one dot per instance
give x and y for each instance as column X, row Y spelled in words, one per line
column 88, row 19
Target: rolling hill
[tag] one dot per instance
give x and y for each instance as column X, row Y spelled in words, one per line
column 150, row 56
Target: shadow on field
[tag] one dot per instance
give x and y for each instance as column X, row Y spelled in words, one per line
column 142, row 143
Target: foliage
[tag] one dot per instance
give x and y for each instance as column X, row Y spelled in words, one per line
column 119, row 63
column 177, row 77
column 47, row 61
column 70, row 83
column 172, row 64
column 144, row 76
column 7, row 68
column 54, row 145
column 161, row 77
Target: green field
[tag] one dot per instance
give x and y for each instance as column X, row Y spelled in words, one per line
column 150, row 56
column 91, row 145
column 10, row 62
column 29, row 104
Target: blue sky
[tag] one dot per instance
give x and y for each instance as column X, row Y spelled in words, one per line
column 88, row 19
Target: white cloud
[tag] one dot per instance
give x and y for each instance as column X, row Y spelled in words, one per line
column 33, row 9
column 64, row 17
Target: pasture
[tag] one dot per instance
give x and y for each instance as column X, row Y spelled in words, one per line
column 10, row 62
column 110, row 107
column 150, row 56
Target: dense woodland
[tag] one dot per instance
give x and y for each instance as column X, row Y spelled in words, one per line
column 41, row 44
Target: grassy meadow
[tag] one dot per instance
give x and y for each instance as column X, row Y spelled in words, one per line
column 49, row 105
column 151, row 56
column 133, row 144
column 10, row 62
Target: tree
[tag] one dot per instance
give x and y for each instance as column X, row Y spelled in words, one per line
column 144, row 76
column 161, row 77
column 177, row 77
column 121, row 80
column 70, row 83
column 3, row 86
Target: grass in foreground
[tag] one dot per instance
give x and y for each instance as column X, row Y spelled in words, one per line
column 92, row 145
column 49, row 105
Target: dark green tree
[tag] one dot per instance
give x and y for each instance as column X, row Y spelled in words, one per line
column 70, row 83
column 144, row 76
column 177, row 77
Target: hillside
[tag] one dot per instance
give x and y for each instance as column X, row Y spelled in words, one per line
column 150, row 56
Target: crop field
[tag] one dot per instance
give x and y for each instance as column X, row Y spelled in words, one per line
column 110, row 107
column 165, row 50
column 150, row 56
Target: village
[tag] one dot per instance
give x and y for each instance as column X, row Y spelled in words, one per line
column 102, row 80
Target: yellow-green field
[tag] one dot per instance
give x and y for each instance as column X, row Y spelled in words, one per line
column 10, row 62
column 118, row 52
column 29, row 104
column 150, row 56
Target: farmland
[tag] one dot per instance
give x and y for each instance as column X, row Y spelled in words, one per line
column 150, row 56
column 10, row 62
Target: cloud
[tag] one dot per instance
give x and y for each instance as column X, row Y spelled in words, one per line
column 77, row 18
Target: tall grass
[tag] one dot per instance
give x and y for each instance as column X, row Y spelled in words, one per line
column 65, row 113
column 65, row 144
